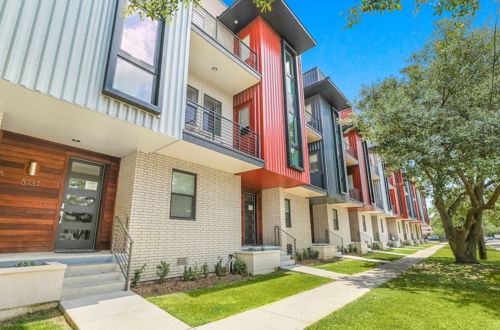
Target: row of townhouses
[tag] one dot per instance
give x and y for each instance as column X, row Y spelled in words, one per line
column 191, row 140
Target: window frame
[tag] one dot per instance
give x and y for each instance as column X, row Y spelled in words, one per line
column 382, row 225
column 363, row 219
column 194, row 196
column 115, row 52
column 286, row 48
column 215, row 119
column 335, row 220
column 288, row 221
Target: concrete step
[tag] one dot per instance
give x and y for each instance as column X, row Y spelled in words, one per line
column 287, row 263
column 92, row 278
column 80, row 290
column 91, row 269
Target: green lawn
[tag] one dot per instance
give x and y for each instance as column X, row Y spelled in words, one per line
column 382, row 256
column 47, row 320
column 434, row 294
column 348, row 267
column 201, row 306
column 401, row 251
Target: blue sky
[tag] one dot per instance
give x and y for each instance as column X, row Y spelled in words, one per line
column 372, row 50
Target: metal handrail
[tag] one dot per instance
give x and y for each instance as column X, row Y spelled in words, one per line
column 329, row 232
column 349, row 150
column 312, row 121
column 218, row 32
column 355, row 194
column 210, row 125
column 285, row 243
column 317, row 178
column 122, row 249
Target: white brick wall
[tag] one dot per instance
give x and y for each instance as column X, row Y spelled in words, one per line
column 356, row 224
column 323, row 219
column 383, row 235
column 273, row 214
column 144, row 192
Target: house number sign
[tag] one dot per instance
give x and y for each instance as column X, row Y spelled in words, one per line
column 30, row 182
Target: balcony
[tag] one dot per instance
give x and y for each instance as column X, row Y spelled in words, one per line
column 355, row 194
column 351, row 159
column 317, row 179
column 211, row 126
column 218, row 56
column 313, row 128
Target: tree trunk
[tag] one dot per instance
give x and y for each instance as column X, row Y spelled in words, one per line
column 483, row 254
column 464, row 245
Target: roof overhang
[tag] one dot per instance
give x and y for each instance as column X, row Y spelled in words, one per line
column 281, row 18
column 330, row 92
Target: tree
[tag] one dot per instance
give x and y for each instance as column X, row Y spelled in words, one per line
column 166, row 9
column 440, row 123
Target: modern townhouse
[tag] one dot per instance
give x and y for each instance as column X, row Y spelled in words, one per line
column 328, row 163
column 183, row 142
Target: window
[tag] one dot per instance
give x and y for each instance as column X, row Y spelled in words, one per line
column 399, row 229
column 192, row 105
column 381, row 225
column 335, row 220
column 364, row 222
column 133, row 72
column 292, row 114
column 313, row 162
column 244, row 120
column 339, row 160
column 212, row 115
column 183, row 196
column 288, row 214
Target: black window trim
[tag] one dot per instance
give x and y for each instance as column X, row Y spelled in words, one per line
column 286, row 47
column 336, row 225
column 115, row 52
column 287, row 201
column 193, row 204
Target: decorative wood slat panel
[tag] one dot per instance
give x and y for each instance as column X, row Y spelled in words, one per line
column 29, row 214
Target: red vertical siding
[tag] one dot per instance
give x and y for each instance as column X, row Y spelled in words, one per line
column 267, row 103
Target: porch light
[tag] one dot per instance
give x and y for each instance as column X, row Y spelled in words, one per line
column 32, row 169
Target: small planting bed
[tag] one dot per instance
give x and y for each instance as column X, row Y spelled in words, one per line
column 51, row 319
column 178, row 285
column 200, row 306
column 348, row 267
column 382, row 256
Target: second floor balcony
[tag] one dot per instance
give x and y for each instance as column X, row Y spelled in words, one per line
column 318, row 178
column 214, row 128
column 218, row 56
column 351, row 158
column 355, row 194
column 313, row 128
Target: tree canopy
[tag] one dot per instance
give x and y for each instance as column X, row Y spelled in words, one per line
column 440, row 123
column 165, row 9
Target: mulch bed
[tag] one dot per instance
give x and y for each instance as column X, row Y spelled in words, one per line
column 178, row 285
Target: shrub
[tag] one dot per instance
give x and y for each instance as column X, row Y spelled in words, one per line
column 298, row 256
column 352, row 249
column 239, row 267
column 314, row 254
column 25, row 264
column 187, row 275
column 219, row 269
column 305, row 254
column 375, row 246
column 196, row 273
column 391, row 244
column 204, row 270
column 137, row 275
column 162, row 271
column 406, row 242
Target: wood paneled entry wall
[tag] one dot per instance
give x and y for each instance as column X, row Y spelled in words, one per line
column 30, row 205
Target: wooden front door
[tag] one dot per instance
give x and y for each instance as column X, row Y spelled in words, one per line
column 80, row 205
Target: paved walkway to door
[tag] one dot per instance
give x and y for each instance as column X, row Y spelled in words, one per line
column 306, row 308
column 314, row 271
column 116, row 311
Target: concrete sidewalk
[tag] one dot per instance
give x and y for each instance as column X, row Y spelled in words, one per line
column 314, row 271
column 346, row 256
column 118, row 310
column 388, row 252
column 306, row 308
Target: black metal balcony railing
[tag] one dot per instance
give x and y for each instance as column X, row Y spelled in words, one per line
column 312, row 121
column 210, row 125
column 377, row 192
column 317, row 179
column 355, row 194
column 349, row 150
column 224, row 37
